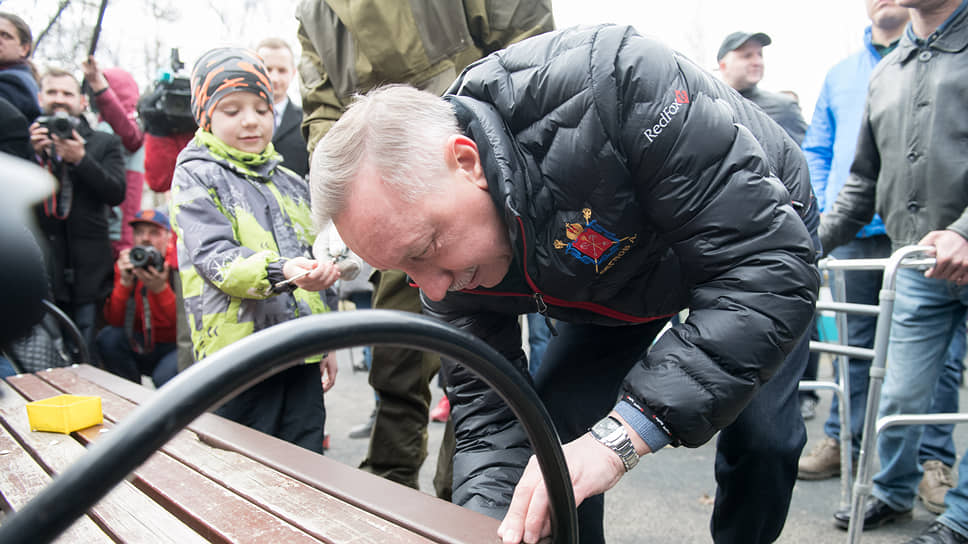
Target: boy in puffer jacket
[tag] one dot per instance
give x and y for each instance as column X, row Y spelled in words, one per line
column 244, row 227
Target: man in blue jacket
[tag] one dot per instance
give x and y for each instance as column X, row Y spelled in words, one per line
column 829, row 147
column 597, row 177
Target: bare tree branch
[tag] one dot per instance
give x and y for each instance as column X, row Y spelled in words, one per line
column 52, row 22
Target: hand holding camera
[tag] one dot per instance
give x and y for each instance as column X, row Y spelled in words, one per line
column 146, row 264
column 55, row 135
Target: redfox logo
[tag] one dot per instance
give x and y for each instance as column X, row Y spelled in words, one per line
column 666, row 116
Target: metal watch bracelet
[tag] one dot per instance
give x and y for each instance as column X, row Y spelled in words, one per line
column 610, row 432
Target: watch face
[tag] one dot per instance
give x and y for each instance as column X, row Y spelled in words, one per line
column 605, row 427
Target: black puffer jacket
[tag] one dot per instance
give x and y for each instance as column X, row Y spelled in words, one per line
column 633, row 185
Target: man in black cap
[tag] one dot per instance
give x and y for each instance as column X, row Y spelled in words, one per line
column 740, row 59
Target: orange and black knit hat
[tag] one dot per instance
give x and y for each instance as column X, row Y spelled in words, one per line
column 222, row 71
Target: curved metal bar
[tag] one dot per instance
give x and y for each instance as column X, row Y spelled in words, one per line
column 83, row 351
column 256, row 357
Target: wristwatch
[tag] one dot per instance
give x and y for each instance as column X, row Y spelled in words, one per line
column 610, row 432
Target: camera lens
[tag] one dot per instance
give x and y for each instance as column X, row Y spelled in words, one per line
column 138, row 257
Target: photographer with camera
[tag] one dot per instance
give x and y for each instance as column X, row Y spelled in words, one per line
column 89, row 168
column 140, row 336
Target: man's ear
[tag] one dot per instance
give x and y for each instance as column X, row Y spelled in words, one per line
column 462, row 155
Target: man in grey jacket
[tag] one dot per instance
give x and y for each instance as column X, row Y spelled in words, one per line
column 910, row 168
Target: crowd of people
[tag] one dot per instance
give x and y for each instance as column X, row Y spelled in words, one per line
column 590, row 182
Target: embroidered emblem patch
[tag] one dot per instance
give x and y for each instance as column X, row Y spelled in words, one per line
column 592, row 243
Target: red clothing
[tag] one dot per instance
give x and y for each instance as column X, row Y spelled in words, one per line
column 161, row 153
column 118, row 107
column 162, row 308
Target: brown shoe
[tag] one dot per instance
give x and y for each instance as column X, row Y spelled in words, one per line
column 821, row 463
column 937, row 480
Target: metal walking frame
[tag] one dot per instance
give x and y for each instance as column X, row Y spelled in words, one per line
column 863, row 484
column 841, row 388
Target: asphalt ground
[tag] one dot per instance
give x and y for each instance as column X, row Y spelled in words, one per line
column 666, row 498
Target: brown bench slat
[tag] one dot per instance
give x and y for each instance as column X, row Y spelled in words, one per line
column 429, row 516
column 308, row 508
column 214, row 512
column 125, row 513
column 22, row 478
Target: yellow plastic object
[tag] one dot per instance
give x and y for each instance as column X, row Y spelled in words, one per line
column 64, row 413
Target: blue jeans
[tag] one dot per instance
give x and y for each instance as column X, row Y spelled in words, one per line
column 863, row 287
column 927, row 316
column 538, row 336
column 6, row 368
column 363, row 300
column 161, row 363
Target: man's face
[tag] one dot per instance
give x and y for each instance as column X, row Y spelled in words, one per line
column 742, row 67
column 886, row 13
column 449, row 240
column 244, row 121
column 11, row 50
column 280, row 66
column 61, row 93
column 147, row 234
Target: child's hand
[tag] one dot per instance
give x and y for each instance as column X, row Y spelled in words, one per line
column 327, row 371
column 322, row 274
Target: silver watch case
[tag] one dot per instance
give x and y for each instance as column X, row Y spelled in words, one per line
column 610, row 432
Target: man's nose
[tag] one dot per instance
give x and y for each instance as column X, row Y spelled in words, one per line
column 433, row 284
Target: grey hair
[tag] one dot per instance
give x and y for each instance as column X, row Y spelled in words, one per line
column 397, row 130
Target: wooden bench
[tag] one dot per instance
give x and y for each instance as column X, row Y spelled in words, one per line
column 216, row 481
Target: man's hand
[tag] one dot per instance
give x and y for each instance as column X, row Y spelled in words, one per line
column 70, row 150
column 322, row 274
column 155, row 280
column 951, row 254
column 327, row 371
column 39, row 139
column 125, row 268
column 594, row 469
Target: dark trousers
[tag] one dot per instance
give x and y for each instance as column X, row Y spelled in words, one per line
column 401, row 378
column 756, row 460
column 161, row 363
column 288, row 405
column 85, row 317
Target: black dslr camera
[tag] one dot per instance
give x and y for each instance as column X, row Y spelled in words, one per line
column 145, row 256
column 59, row 124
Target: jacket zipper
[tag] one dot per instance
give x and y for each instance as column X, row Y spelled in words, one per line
column 543, row 310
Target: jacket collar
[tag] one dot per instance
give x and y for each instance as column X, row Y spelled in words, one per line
column 508, row 174
column 262, row 173
column 952, row 39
